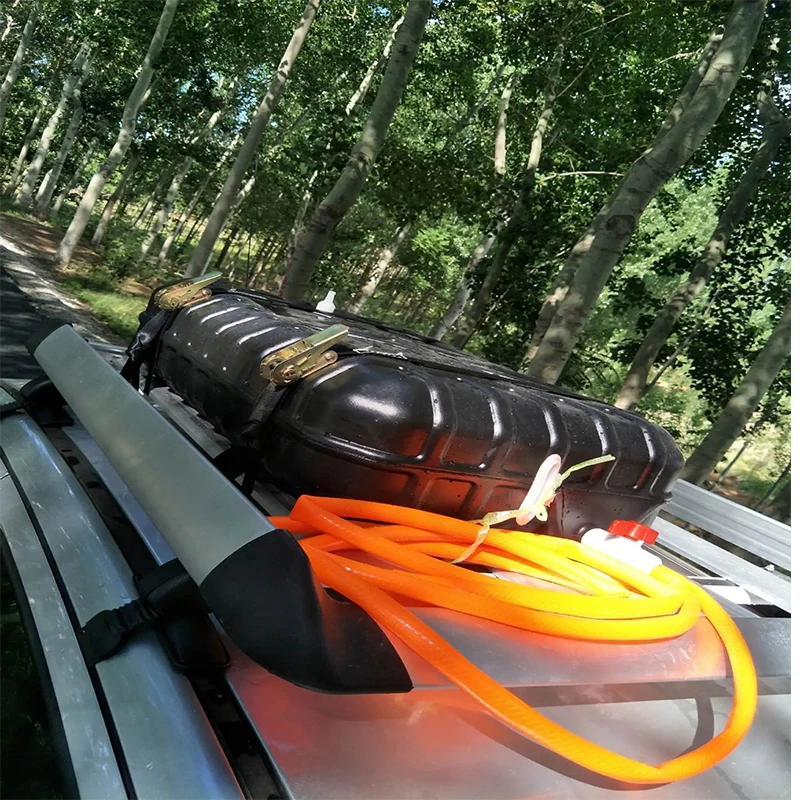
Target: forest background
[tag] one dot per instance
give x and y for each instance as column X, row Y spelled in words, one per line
column 595, row 192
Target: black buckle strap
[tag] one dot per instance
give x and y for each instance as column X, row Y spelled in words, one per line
column 106, row 633
column 171, row 604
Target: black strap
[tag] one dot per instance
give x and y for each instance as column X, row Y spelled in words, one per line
column 245, row 459
column 144, row 347
column 106, row 633
column 169, row 603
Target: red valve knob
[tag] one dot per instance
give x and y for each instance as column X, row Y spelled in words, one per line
column 631, row 529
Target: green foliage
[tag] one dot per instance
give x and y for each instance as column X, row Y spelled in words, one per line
column 624, row 64
column 102, row 293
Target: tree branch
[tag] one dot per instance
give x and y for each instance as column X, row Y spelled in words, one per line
column 579, row 172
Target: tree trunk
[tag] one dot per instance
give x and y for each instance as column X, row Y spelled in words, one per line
column 232, row 236
column 317, row 234
column 781, row 506
column 500, row 129
column 183, row 245
column 352, row 105
column 152, row 199
column 463, row 293
column 744, row 401
column 563, row 279
column 17, row 61
column 259, row 260
column 374, row 279
column 48, row 186
column 169, row 201
column 72, row 83
column 222, row 208
column 76, row 176
column 765, row 415
column 13, row 181
column 182, row 220
column 127, row 129
column 116, row 195
column 644, row 180
column 635, row 382
column 461, row 297
column 235, row 257
column 510, row 228
column 165, row 210
column 471, row 112
column 387, row 255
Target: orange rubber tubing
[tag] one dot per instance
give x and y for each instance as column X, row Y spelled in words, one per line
column 617, row 603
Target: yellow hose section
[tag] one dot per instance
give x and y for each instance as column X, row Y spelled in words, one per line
column 631, row 607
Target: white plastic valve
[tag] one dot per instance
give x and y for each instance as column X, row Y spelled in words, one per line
column 626, row 550
column 327, row 305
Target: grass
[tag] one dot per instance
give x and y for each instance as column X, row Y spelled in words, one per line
column 109, row 303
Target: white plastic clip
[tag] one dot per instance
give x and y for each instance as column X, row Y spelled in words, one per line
column 544, row 488
column 625, row 550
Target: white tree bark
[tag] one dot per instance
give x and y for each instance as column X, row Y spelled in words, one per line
column 744, row 401
column 127, row 129
column 13, row 181
column 179, row 225
column 18, row 60
column 166, row 208
column 48, row 186
column 352, row 105
column 76, row 74
column 508, row 229
column 563, row 280
column 116, row 196
column 500, row 129
column 403, row 231
column 317, row 234
column 635, row 383
column 76, row 177
column 258, row 124
column 643, row 181
column 385, row 258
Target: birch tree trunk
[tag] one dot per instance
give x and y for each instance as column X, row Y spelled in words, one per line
column 72, row 83
column 177, row 181
column 387, row 255
column 48, row 186
column 744, row 401
column 233, row 236
column 317, row 234
column 258, row 124
column 165, row 210
column 76, row 176
column 463, row 293
column 127, row 129
column 13, row 181
column 510, row 227
column 18, row 60
column 182, row 220
column 461, row 297
column 635, row 382
column 116, row 196
column 644, row 180
column 563, row 279
column 500, row 129
column 197, row 222
column 352, row 105
column 375, row 277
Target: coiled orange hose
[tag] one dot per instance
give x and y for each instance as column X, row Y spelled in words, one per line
column 616, row 603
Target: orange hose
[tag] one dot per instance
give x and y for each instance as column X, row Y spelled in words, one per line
column 629, row 606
